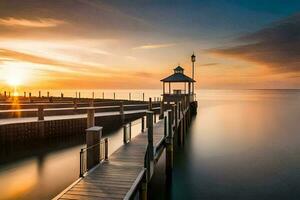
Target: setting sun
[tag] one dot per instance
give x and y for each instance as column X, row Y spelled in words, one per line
column 15, row 74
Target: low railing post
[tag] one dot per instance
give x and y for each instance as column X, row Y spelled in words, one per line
column 169, row 147
column 129, row 131
column 125, row 133
column 150, row 149
column 165, row 126
column 150, row 134
column 150, row 104
column 176, row 115
column 122, row 111
column 143, row 123
column 106, row 148
column 81, row 172
column 161, row 112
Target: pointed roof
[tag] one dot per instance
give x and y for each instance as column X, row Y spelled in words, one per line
column 178, row 76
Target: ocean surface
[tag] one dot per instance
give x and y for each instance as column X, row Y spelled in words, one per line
column 242, row 144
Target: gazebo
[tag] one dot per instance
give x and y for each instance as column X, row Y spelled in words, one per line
column 178, row 94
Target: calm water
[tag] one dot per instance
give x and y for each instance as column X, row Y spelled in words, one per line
column 241, row 145
column 43, row 173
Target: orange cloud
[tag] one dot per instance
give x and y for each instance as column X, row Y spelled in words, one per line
column 155, row 46
column 39, row 23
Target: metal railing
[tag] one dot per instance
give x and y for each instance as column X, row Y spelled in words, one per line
column 103, row 155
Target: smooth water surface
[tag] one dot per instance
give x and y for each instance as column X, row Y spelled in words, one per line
column 241, row 145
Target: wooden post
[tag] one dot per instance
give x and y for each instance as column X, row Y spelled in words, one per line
column 8, row 94
column 62, row 95
column 39, row 94
column 129, row 96
column 90, row 117
column 161, row 112
column 144, row 190
column 40, row 112
column 169, row 147
column 79, row 95
column 176, row 115
column 122, row 111
column 4, row 93
column 24, row 94
column 48, row 94
column 149, row 115
column 93, row 95
column 143, row 123
column 91, row 103
column 76, row 95
column 106, row 149
column 150, row 104
column 93, row 138
column 102, row 95
column 114, row 95
column 75, row 104
column 30, row 97
column 143, row 96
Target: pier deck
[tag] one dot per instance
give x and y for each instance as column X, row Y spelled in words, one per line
column 114, row 178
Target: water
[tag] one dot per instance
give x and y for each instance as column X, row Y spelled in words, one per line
column 241, row 145
column 42, row 173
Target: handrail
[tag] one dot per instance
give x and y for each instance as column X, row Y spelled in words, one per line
column 83, row 157
column 135, row 185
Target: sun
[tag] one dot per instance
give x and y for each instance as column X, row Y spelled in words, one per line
column 14, row 80
column 15, row 74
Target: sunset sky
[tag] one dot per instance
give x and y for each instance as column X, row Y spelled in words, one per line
column 127, row 44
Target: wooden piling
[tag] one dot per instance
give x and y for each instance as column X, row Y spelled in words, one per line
column 169, row 147
column 93, row 138
column 150, row 104
column 40, row 113
column 161, row 112
column 122, row 111
column 143, row 124
column 149, row 115
column 90, row 117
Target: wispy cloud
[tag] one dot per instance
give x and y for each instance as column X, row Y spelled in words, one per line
column 155, row 46
column 276, row 47
column 208, row 64
column 39, row 23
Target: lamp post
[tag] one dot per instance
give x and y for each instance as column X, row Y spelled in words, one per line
column 193, row 58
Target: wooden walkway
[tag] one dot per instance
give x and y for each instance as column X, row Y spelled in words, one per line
column 114, row 178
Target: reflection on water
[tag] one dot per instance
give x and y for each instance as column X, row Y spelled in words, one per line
column 241, row 145
column 42, row 174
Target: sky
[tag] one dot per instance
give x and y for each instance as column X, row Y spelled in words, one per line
column 133, row 44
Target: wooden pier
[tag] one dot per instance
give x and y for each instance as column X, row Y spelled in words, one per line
column 125, row 174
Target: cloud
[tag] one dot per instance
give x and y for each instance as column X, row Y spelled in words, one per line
column 276, row 46
column 39, row 23
column 208, row 64
column 64, row 66
column 155, row 46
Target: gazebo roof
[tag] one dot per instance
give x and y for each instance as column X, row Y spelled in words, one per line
column 178, row 76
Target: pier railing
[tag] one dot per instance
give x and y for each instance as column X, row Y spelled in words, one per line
column 102, row 146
